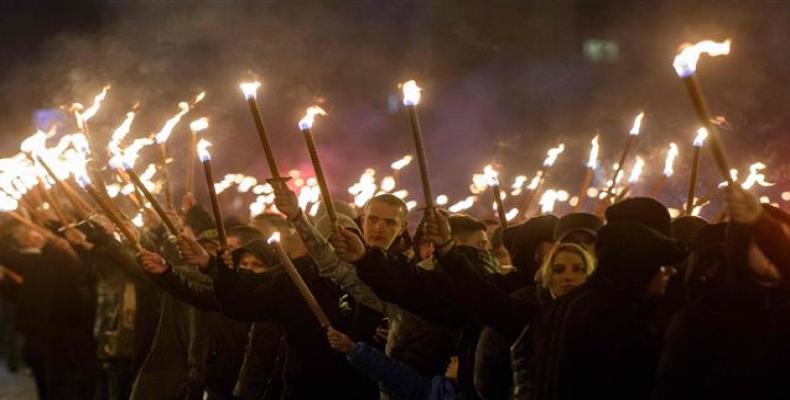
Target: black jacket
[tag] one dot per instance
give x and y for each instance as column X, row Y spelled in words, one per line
column 312, row 369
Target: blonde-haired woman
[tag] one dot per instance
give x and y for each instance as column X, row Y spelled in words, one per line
column 566, row 267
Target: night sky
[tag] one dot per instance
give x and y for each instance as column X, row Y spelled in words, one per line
column 503, row 80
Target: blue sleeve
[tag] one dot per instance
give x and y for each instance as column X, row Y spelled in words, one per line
column 397, row 379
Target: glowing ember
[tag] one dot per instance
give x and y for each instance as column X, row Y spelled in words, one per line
column 637, row 124
column 441, row 200
column 199, row 125
column 573, row 201
column 699, row 140
column 553, row 154
column 686, row 61
column 672, row 153
column 636, row 171
column 765, row 200
column 786, row 196
column 592, row 161
column 411, row 93
column 403, row 162
column 171, row 123
column 309, row 117
column 250, row 89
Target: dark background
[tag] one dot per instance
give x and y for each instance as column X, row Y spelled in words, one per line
column 503, row 80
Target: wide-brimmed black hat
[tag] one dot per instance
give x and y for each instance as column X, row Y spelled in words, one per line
column 575, row 222
column 641, row 210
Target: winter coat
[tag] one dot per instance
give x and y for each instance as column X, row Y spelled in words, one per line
column 429, row 294
column 312, row 369
column 598, row 341
column 217, row 344
column 398, row 379
column 730, row 340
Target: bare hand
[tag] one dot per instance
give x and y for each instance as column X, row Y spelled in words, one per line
column 339, row 341
column 743, row 206
column 152, row 262
column 348, row 245
column 192, row 252
column 437, row 228
column 285, row 199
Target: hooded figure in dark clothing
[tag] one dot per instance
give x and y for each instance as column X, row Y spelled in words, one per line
column 312, row 369
column 730, row 340
column 598, row 341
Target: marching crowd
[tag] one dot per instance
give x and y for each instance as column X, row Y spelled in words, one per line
column 630, row 304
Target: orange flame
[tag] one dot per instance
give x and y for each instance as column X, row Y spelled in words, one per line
column 167, row 129
column 553, row 153
column 672, row 153
column 84, row 116
column 685, row 62
column 400, row 164
column 702, row 134
column 636, row 171
column 637, row 124
column 309, row 117
column 592, row 161
column 202, row 149
column 250, row 89
column 198, row 125
column 411, row 93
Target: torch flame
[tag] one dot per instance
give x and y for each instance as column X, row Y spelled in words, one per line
column 463, row 204
column 702, row 134
column 199, row 98
column 309, row 117
column 275, row 237
column 636, row 171
column 491, row 175
column 202, row 149
column 670, row 160
column 83, row 117
column 34, row 144
column 400, row 164
column 411, row 93
column 686, row 61
column 198, row 125
column 637, row 124
column 120, row 133
column 164, row 134
column 756, row 177
column 80, row 143
column 441, row 200
column 553, row 154
column 250, row 89
column 592, row 161
column 547, row 201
